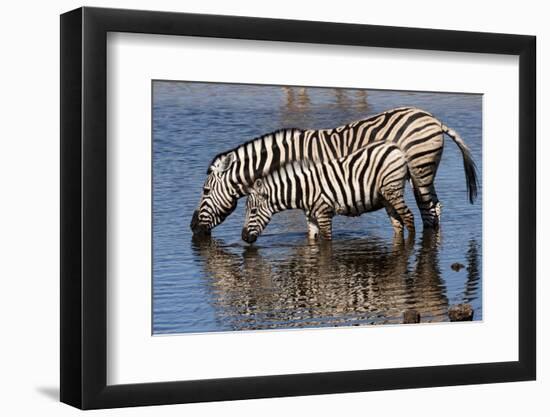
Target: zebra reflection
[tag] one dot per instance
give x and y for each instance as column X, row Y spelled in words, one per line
column 343, row 283
column 473, row 281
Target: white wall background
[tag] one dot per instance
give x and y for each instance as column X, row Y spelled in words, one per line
column 29, row 209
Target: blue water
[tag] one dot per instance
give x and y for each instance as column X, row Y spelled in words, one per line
column 362, row 277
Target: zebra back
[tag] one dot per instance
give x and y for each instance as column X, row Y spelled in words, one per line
column 411, row 128
column 350, row 180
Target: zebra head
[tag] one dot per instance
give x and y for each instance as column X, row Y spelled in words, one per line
column 219, row 196
column 258, row 212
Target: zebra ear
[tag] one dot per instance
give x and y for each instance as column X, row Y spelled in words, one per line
column 227, row 161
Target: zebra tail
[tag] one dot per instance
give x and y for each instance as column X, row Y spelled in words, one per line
column 470, row 169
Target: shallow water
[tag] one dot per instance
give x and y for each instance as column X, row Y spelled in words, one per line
column 364, row 276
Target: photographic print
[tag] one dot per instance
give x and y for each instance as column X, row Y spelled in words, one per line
column 284, row 207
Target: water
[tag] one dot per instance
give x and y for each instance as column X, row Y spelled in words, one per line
column 362, row 277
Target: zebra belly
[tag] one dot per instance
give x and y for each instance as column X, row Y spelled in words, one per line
column 358, row 208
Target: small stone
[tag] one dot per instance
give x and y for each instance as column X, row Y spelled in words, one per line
column 411, row 316
column 457, row 266
column 461, row 312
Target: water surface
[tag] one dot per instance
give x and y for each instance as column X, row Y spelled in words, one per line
column 364, row 276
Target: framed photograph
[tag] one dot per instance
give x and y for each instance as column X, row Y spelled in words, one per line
column 257, row 208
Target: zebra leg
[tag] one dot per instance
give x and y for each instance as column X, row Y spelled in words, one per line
column 325, row 226
column 429, row 206
column 321, row 214
column 312, row 229
column 396, row 221
column 398, row 209
column 405, row 214
column 407, row 217
column 423, row 171
column 438, row 206
column 435, row 209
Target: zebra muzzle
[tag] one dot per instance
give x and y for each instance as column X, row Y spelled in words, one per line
column 196, row 227
column 248, row 237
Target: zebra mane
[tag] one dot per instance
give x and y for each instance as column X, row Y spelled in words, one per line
column 273, row 133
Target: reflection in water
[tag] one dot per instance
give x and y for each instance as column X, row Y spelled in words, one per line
column 472, row 284
column 298, row 98
column 426, row 284
column 330, row 283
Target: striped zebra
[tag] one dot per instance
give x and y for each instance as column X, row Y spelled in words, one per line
column 415, row 131
column 366, row 180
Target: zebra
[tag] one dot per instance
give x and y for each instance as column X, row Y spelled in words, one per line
column 366, row 180
column 418, row 133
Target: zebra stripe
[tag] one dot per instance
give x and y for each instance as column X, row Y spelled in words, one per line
column 368, row 179
column 413, row 130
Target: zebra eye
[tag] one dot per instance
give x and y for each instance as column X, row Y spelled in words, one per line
column 206, row 190
column 253, row 211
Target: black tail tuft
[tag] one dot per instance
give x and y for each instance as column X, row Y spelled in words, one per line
column 470, row 169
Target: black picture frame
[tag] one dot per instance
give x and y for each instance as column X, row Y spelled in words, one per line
column 84, row 207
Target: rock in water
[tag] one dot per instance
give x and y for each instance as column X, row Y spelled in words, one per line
column 411, row 316
column 461, row 312
column 457, row 266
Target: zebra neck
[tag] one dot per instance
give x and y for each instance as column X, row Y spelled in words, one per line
column 285, row 189
column 262, row 156
column 281, row 204
column 274, row 150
